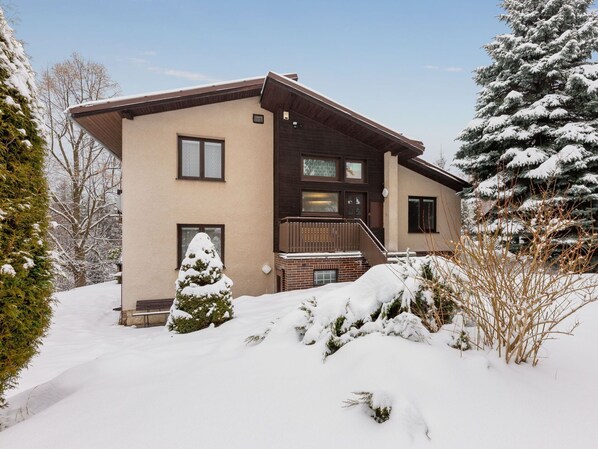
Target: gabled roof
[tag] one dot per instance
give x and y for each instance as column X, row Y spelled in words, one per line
column 281, row 93
column 103, row 119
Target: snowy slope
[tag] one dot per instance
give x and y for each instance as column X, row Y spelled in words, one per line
column 98, row 385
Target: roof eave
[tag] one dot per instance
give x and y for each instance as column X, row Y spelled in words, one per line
column 90, row 116
column 435, row 173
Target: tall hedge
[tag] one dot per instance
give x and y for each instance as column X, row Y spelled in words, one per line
column 25, row 266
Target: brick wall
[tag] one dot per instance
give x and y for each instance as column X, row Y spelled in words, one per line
column 299, row 273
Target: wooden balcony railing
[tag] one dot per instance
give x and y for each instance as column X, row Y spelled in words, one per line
column 314, row 235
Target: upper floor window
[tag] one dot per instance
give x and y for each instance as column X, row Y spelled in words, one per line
column 201, row 159
column 422, row 214
column 354, row 171
column 320, row 168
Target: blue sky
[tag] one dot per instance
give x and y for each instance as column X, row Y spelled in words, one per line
column 405, row 63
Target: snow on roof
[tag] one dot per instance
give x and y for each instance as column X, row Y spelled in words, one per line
column 439, row 170
column 149, row 95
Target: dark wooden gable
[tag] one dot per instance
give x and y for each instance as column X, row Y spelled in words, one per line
column 302, row 136
column 280, row 93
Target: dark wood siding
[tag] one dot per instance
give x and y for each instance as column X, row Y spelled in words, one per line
column 309, row 137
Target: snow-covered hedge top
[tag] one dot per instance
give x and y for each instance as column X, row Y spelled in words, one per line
column 367, row 305
column 21, row 76
column 381, row 284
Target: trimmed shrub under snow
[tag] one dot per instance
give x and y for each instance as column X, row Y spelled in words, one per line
column 378, row 405
column 402, row 299
column 203, row 292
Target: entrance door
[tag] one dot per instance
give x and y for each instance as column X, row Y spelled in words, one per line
column 355, row 206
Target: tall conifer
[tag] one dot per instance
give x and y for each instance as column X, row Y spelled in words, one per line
column 25, row 268
column 536, row 122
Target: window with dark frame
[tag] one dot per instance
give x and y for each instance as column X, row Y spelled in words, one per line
column 331, row 169
column 354, row 171
column 186, row 232
column 201, row 159
column 315, row 168
column 422, row 214
column 324, row 203
column 323, row 277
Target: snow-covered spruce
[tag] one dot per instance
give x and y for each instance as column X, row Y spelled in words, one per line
column 203, row 292
column 535, row 127
column 402, row 299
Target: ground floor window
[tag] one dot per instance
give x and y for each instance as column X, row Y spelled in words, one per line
column 322, row 277
column 186, row 232
column 422, row 214
column 320, row 202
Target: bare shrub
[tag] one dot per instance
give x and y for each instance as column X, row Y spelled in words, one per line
column 519, row 300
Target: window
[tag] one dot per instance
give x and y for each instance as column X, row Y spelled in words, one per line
column 201, row 159
column 319, row 202
column 422, row 214
column 322, row 277
column 186, row 232
column 354, row 171
column 320, row 168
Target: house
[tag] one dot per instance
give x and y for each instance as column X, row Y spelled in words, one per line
column 294, row 189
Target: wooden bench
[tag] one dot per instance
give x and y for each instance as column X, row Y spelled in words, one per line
column 149, row 307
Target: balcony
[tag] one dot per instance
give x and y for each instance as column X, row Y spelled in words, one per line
column 325, row 235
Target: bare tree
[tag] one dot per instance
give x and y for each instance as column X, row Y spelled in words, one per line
column 441, row 161
column 83, row 176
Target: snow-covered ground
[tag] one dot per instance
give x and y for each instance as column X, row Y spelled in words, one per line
column 99, row 385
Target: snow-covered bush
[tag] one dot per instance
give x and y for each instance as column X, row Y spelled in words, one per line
column 403, row 299
column 203, row 292
column 462, row 342
column 25, row 266
column 378, row 404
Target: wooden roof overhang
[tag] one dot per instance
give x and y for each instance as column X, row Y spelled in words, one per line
column 280, row 93
column 103, row 119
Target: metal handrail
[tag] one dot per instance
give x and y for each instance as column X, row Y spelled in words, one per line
column 372, row 236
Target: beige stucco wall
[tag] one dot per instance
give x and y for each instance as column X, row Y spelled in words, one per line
column 154, row 201
column 448, row 210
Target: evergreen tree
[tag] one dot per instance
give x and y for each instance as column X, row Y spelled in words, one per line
column 25, row 267
column 203, row 292
column 535, row 129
